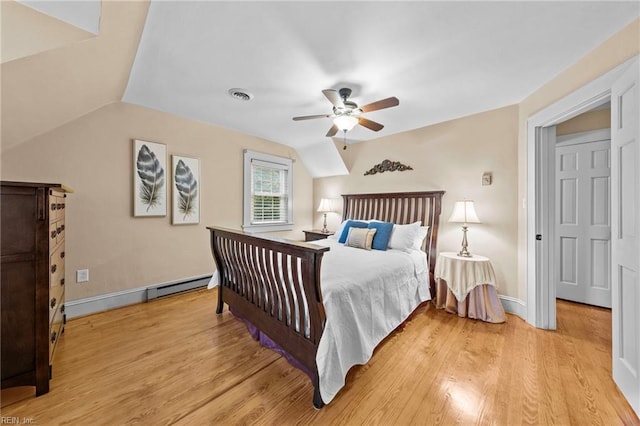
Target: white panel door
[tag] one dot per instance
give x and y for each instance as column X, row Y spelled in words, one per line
column 583, row 228
column 625, row 238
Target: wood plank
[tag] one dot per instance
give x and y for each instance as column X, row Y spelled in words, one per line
column 173, row 361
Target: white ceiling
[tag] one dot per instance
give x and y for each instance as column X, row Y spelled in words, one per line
column 442, row 60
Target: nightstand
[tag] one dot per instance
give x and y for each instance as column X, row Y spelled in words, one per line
column 466, row 286
column 316, row 234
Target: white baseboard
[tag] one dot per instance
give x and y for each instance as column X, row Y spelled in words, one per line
column 91, row 305
column 514, row 306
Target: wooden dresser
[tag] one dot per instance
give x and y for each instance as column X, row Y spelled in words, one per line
column 32, row 281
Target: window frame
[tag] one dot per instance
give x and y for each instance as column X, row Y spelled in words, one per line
column 278, row 163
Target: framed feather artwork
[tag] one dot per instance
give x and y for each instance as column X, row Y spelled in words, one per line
column 186, row 190
column 149, row 178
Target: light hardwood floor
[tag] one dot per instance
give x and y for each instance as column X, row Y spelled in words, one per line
column 174, row 361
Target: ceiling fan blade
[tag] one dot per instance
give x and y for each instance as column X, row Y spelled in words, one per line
column 334, row 97
column 332, row 131
column 382, row 104
column 371, row 125
column 310, row 117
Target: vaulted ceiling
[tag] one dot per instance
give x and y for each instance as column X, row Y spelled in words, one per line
column 442, row 60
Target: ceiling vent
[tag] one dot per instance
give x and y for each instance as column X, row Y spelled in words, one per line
column 240, row 94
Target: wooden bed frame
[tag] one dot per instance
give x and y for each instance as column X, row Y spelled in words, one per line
column 263, row 279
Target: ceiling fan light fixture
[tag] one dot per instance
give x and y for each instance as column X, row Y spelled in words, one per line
column 345, row 122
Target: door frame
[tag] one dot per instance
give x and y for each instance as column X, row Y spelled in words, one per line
column 541, row 288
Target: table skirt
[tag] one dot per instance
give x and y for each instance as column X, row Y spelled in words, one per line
column 481, row 303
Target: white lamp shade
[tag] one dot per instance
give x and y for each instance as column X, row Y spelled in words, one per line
column 325, row 206
column 345, row 122
column 464, row 212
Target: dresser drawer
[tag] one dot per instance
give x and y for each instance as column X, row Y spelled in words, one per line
column 56, row 205
column 56, row 299
column 55, row 330
column 56, row 233
column 60, row 230
column 56, row 267
column 53, row 207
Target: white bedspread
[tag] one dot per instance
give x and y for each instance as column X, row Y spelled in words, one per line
column 366, row 295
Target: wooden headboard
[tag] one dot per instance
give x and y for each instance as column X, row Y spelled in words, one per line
column 401, row 208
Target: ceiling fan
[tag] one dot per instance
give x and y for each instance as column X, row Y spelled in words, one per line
column 346, row 113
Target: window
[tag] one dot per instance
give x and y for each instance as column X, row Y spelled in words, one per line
column 268, row 205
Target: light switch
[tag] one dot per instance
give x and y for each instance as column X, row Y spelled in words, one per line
column 486, row 178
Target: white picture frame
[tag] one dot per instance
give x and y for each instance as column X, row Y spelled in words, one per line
column 186, row 190
column 150, row 178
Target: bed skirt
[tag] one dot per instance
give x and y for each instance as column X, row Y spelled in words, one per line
column 266, row 341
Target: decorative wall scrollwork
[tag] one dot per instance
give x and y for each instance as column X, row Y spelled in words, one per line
column 388, row 166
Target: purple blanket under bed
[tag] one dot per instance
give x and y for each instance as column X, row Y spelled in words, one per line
column 270, row 344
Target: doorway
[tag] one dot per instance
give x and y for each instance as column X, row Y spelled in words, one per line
column 620, row 86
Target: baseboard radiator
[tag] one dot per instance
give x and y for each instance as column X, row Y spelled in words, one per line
column 168, row 289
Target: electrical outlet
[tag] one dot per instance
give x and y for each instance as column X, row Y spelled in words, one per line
column 82, row 275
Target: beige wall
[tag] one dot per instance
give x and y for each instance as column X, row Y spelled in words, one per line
column 620, row 47
column 41, row 91
column 94, row 156
column 450, row 156
column 590, row 120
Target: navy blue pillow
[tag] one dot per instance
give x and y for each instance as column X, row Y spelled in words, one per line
column 350, row 224
column 382, row 236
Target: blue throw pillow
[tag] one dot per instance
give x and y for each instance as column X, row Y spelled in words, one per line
column 382, row 236
column 350, row 224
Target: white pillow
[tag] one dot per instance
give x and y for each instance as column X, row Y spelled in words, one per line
column 403, row 236
column 419, row 237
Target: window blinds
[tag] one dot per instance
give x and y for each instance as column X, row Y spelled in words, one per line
column 269, row 192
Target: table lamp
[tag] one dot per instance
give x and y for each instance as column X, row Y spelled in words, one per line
column 464, row 212
column 325, row 207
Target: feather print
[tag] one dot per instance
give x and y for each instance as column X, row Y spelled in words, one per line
column 187, row 188
column 151, row 177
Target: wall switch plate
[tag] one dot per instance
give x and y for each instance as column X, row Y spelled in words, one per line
column 82, row 275
column 486, row 178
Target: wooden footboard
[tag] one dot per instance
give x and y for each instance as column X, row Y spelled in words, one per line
column 275, row 285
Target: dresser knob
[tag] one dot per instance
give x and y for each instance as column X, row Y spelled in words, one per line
column 62, row 281
column 62, row 255
column 53, row 234
column 62, row 309
column 54, row 268
column 53, row 302
column 63, row 227
column 53, row 206
column 53, row 336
